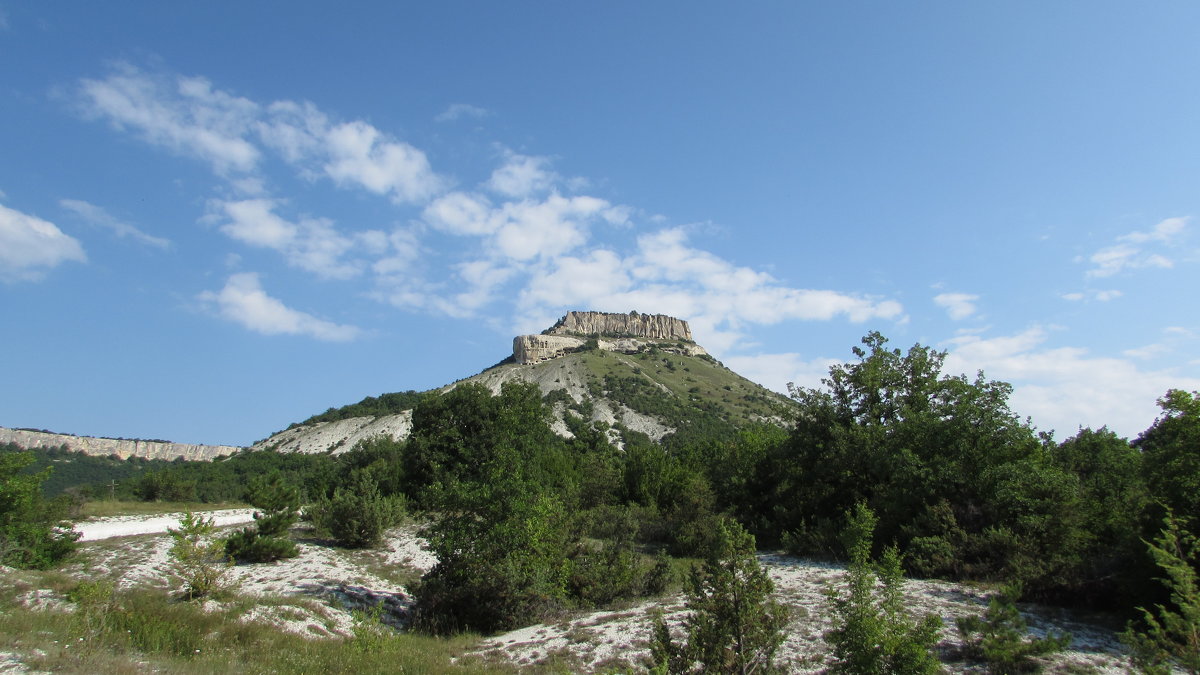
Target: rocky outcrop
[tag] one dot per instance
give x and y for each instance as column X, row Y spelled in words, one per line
column 122, row 448
column 649, row 326
column 529, row 349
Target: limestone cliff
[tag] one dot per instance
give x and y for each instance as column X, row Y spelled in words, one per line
column 114, row 446
column 650, row 326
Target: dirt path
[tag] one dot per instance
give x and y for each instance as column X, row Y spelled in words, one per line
column 125, row 526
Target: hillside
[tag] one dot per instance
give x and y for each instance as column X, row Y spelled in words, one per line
column 656, row 391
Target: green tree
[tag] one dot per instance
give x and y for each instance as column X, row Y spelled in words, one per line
column 198, row 558
column 734, row 625
column 1173, row 636
column 32, row 530
column 873, row 633
column 266, row 540
column 1001, row 637
column 1171, row 454
column 358, row 514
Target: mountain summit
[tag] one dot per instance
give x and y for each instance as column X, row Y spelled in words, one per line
column 620, row 373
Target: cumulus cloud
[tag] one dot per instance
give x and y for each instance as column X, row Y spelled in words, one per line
column 244, row 301
column 1064, row 388
column 311, row 244
column 360, row 153
column 457, row 111
column 521, row 176
column 958, row 305
column 98, row 216
column 29, row 246
column 1131, row 250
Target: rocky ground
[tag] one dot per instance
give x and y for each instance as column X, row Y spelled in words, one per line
column 316, row 593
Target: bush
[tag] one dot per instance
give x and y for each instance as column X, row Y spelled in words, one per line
column 265, row 540
column 1174, row 635
column 197, row 558
column 1002, row 636
column 32, row 532
column 872, row 630
column 734, row 626
column 357, row 517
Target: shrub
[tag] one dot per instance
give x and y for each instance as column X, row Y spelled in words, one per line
column 265, row 540
column 734, row 626
column 999, row 637
column 1174, row 635
column 357, row 517
column 32, row 532
column 872, row 631
column 197, row 558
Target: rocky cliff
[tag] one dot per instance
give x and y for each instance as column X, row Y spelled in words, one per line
column 114, row 446
column 649, row 326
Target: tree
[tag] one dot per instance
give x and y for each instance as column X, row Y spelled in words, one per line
column 198, row 559
column 1171, row 454
column 32, row 531
column 873, row 633
column 266, row 540
column 357, row 515
column 1000, row 637
column 734, row 626
column 502, row 549
column 1173, row 636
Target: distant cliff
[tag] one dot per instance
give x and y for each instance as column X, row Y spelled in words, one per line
column 628, row 333
column 104, row 447
column 649, row 326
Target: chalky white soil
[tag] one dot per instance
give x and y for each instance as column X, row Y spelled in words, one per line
column 315, row 594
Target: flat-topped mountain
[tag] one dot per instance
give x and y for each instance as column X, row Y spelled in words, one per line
column 628, row 373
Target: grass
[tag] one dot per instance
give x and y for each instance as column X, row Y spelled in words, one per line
column 105, row 508
column 143, row 630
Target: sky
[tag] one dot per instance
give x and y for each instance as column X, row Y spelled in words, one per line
column 217, row 219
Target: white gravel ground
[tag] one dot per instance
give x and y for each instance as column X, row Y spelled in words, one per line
column 321, row 587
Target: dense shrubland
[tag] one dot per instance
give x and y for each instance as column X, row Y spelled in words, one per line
column 527, row 524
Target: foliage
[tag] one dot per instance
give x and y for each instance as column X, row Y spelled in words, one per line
column 1000, row 636
column 371, row 406
column 357, row 515
column 32, row 532
column 1172, row 637
column 502, row 558
column 873, row 632
column 198, row 559
column 1170, row 457
column 266, row 540
column 734, row 625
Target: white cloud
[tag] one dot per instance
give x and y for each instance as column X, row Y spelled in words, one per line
column 311, row 244
column 958, row 305
column 359, row 153
column 1062, row 388
column 1130, row 252
column 457, row 111
column 29, row 246
column 98, row 216
column 1098, row 296
column 462, row 213
column 243, row 301
column 521, row 176
column 552, row 227
column 190, row 118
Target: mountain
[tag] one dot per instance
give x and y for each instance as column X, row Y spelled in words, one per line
column 626, row 373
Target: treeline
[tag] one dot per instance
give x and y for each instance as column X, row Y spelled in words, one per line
column 371, row 406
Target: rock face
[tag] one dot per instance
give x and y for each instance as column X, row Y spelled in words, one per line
column 650, row 326
column 113, row 446
column 340, row 436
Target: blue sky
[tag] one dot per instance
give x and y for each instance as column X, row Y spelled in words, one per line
column 218, row 220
